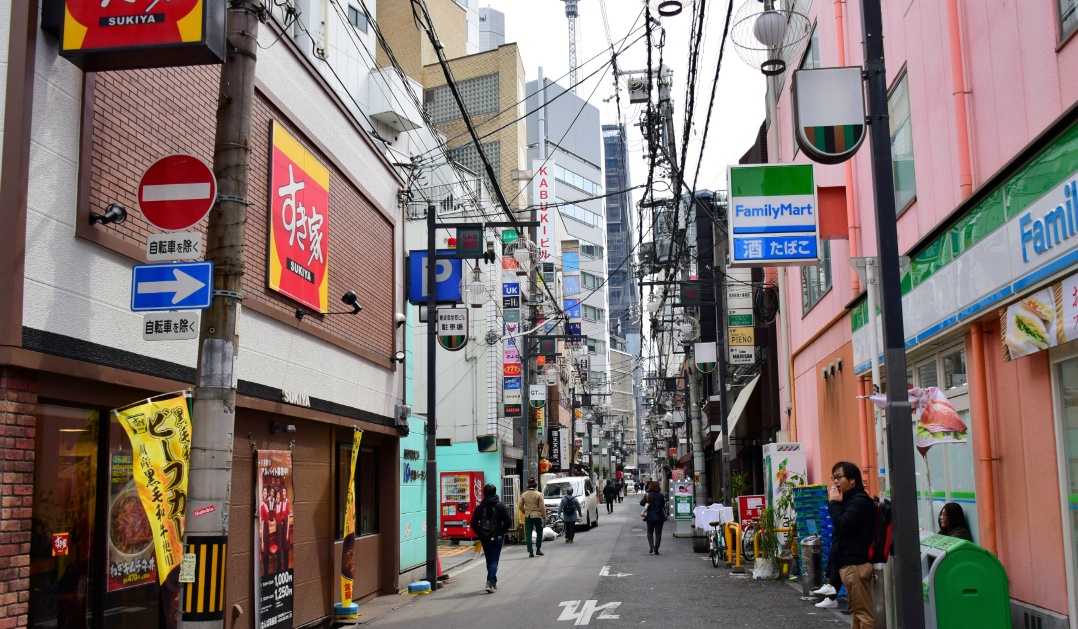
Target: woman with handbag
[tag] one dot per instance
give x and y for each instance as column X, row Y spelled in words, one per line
column 654, row 513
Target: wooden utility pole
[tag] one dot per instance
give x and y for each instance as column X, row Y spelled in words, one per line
column 214, row 413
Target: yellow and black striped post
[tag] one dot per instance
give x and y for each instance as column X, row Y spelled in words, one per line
column 204, row 599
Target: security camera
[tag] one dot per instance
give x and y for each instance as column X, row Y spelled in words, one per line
column 114, row 213
column 277, row 427
column 490, row 244
column 400, row 319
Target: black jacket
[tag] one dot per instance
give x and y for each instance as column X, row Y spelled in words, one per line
column 854, row 518
column 504, row 521
column 656, row 504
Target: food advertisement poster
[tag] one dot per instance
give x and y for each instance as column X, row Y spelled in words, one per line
column 160, row 434
column 1044, row 319
column 348, row 552
column 273, row 539
column 299, row 223
column 131, row 550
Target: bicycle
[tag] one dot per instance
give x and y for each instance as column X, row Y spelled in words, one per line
column 554, row 521
column 716, row 543
column 747, row 550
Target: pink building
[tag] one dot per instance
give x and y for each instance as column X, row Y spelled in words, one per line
column 984, row 127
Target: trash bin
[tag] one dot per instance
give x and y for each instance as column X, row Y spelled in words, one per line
column 811, row 564
column 964, row 585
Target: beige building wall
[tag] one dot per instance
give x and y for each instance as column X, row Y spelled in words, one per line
column 504, row 61
column 411, row 46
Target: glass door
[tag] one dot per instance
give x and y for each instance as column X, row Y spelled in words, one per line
column 1067, row 374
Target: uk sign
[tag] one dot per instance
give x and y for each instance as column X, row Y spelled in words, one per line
column 176, row 192
column 176, row 286
column 774, row 218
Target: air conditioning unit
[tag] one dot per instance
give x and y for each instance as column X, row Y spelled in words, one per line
column 401, row 413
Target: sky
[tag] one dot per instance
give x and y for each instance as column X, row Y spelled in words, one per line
column 540, row 29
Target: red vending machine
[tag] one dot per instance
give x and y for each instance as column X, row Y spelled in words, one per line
column 461, row 494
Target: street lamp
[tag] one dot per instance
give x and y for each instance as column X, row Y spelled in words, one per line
column 653, row 305
column 477, row 290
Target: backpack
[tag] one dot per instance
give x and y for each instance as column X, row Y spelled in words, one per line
column 488, row 523
column 882, row 531
column 571, row 506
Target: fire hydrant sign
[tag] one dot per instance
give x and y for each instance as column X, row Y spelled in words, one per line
column 299, row 223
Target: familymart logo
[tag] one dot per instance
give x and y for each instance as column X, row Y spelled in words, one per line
column 1055, row 226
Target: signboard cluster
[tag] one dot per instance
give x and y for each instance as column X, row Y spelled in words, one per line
column 741, row 339
column 512, row 367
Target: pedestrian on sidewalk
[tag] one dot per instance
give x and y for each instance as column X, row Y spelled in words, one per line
column 608, row 495
column 533, row 509
column 853, row 513
column 569, row 510
column 490, row 521
column 655, row 503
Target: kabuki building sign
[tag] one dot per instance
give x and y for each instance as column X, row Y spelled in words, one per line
column 299, row 223
column 99, row 35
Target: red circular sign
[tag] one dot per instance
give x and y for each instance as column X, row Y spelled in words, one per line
column 176, row 192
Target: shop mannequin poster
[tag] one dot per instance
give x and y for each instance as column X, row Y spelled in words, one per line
column 274, row 559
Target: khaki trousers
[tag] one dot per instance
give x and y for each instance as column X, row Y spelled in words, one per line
column 856, row 579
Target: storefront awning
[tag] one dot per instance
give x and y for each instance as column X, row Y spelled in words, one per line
column 738, row 409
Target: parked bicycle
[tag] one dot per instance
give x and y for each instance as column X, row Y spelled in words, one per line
column 554, row 521
column 748, row 552
column 716, row 543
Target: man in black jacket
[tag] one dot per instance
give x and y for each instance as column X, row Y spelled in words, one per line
column 853, row 514
column 490, row 521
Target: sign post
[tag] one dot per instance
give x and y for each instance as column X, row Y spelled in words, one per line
column 773, row 215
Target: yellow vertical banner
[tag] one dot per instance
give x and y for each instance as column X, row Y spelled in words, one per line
column 348, row 552
column 160, row 433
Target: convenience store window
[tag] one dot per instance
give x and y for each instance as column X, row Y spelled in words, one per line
column 1066, row 373
column 949, row 469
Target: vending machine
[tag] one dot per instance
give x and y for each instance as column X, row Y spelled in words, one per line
column 780, row 461
column 461, row 493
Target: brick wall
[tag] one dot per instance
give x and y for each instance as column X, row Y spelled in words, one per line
column 18, row 400
column 140, row 116
column 411, row 47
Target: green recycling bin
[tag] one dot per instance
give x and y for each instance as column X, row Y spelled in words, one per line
column 964, row 585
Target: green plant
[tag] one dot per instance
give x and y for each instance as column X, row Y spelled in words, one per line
column 769, row 539
column 738, row 485
column 785, row 516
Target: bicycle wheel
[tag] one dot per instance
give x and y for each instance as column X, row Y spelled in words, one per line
column 713, row 549
column 720, row 543
column 747, row 536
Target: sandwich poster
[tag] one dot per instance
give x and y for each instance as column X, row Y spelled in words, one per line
column 1044, row 319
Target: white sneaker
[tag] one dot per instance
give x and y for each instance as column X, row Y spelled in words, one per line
column 490, row 587
column 828, row 603
column 826, row 590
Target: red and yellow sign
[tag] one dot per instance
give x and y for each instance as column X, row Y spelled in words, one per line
column 160, row 434
column 511, row 369
column 299, row 223
column 348, row 552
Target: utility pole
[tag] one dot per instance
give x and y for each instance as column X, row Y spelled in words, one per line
column 214, row 412
column 909, row 606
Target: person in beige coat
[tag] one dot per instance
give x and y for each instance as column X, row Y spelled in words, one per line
column 533, row 509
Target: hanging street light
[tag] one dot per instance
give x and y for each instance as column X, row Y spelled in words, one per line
column 477, row 290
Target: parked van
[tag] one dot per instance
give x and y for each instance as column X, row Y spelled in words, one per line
column 583, row 489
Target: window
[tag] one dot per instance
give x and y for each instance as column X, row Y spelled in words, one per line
column 811, row 61
column 596, row 377
column 898, row 108
column 366, row 484
column 577, row 181
column 572, row 210
column 1068, row 18
column 591, row 250
column 596, row 346
column 954, row 370
column 357, row 18
column 816, row 280
column 480, row 96
column 1067, row 372
column 591, row 313
column 590, row 281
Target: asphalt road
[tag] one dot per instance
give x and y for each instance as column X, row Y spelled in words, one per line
column 607, row 578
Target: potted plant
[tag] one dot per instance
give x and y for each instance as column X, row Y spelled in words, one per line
column 768, row 546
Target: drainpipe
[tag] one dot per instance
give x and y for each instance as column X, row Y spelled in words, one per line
column 847, row 166
column 862, row 422
column 958, row 79
column 979, row 413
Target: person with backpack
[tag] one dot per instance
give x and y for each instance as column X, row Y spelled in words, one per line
column 654, row 503
column 490, row 521
column 608, row 495
column 854, row 515
column 569, row 510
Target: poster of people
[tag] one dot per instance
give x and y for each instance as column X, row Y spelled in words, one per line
column 273, row 539
column 131, row 551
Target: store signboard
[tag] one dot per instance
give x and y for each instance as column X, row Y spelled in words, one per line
column 545, row 208
column 773, row 218
column 131, row 550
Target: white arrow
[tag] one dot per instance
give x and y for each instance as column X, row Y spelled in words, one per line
column 184, row 286
column 605, row 572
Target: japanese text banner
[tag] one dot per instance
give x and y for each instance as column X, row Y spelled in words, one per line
column 160, row 434
column 348, row 552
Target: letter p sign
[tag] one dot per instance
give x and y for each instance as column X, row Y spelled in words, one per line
column 447, row 276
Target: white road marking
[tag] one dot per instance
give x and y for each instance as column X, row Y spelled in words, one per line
column 605, row 572
column 581, row 614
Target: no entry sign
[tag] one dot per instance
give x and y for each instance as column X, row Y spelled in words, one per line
column 176, row 192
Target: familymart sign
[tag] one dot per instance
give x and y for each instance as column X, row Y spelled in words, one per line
column 774, row 218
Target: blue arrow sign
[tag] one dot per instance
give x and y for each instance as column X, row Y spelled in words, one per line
column 175, row 286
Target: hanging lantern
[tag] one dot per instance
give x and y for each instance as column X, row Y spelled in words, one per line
column 522, row 255
column 552, row 375
column 477, row 290
column 770, row 29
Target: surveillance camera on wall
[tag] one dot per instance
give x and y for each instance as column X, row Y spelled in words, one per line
column 400, row 318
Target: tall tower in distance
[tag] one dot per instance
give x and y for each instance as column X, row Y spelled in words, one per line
column 571, row 13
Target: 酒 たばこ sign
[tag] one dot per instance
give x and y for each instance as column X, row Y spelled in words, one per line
column 299, row 223
column 98, row 35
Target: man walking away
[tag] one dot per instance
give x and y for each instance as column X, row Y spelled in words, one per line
column 853, row 515
column 569, row 510
column 532, row 508
column 490, row 521
column 609, row 491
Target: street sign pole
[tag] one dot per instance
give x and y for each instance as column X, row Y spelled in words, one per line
column 907, row 566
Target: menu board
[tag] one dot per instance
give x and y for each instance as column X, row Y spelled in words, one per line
column 131, row 553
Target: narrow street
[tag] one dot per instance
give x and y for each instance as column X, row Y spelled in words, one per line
column 606, row 577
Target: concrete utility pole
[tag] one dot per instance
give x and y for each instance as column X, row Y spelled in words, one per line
column 218, row 343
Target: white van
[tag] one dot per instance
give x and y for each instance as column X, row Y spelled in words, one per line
column 583, row 490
